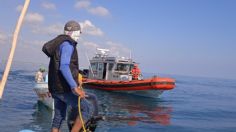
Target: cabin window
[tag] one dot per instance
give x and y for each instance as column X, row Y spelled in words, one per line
column 100, row 66
column 122, row 67
column 131, row 67
column 110, row 66
column 94, row 66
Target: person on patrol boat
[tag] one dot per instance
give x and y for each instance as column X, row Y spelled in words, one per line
column 136, row 73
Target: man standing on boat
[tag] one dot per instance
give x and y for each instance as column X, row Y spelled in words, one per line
column 135, row 72
column 39, row 75
column 63, row 74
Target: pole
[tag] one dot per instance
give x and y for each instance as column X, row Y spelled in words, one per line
column 11, row 55
column 90, row 67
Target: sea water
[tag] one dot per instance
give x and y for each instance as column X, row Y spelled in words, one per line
column 197, row 104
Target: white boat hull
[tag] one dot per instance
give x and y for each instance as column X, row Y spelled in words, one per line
column 42, row 92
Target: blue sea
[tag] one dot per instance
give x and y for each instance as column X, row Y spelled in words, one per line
column 197, row 104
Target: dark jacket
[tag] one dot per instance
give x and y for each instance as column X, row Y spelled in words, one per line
column 56, row 81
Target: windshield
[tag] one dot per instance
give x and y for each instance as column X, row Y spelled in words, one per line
column 122, row 67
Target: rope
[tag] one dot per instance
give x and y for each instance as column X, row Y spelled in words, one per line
column 80, row 114
column 15, row 36
column 79, row 98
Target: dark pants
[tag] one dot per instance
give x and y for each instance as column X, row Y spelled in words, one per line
column 61, row 103
column 69, row 102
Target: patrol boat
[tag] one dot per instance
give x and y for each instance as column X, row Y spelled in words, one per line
column 111, row 73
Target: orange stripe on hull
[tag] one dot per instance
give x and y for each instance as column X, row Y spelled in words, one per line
column 147, row 84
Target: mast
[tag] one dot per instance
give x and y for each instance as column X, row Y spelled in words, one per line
column 90, row 67
column 11, row 55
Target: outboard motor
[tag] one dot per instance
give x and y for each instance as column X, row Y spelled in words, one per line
column 89, row 110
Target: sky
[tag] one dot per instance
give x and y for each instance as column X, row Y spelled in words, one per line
column 178, row 37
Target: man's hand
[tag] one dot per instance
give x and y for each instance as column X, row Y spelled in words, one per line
column 80, row 84
column 79, row 91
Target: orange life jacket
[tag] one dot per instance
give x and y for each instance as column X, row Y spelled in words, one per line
column 135, row 73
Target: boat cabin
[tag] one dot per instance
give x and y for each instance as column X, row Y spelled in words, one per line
column 104, row 67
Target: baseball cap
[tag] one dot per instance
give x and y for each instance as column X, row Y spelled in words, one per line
column 72, row 26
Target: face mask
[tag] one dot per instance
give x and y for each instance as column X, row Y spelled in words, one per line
column 73, row 34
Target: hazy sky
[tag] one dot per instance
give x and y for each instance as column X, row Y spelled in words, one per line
column 183, row 37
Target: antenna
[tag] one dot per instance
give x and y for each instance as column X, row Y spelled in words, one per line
column 130, row 54
column 90, row 67
column 103, row 51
